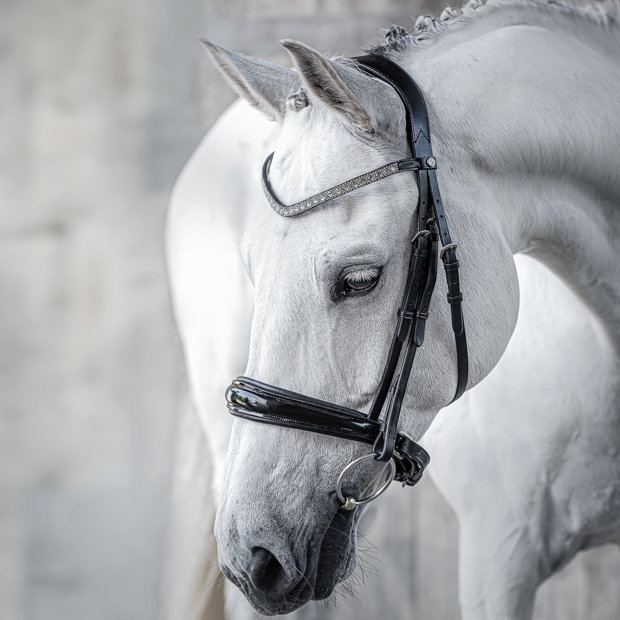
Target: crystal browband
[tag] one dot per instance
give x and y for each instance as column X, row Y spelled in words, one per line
column 403, row 165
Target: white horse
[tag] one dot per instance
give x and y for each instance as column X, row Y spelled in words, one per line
column 527, row 163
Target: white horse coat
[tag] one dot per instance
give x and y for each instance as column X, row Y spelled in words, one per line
column 507, row 547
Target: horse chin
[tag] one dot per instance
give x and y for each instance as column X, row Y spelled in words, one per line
column 334, row 562
column 336, row 559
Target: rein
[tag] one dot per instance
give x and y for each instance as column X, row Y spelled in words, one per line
column 268, row 404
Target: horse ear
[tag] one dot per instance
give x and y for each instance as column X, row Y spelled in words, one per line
column 261, row 83
column 324, row 80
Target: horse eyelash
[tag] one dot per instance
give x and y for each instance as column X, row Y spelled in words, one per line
column 362, row 275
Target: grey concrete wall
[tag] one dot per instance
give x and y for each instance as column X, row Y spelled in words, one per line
column 101, row 102
column 97, row 117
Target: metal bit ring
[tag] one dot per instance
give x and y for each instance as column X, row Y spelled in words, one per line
column 348, row 503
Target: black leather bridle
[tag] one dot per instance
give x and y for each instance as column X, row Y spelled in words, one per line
column 259, row 402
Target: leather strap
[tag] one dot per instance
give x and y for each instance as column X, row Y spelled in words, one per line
column 406, row 316
column 267, row 404
column 419, row 133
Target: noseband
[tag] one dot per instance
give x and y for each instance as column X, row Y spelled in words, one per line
column 268, row 404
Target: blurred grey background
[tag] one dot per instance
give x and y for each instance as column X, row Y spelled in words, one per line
column 102, row 101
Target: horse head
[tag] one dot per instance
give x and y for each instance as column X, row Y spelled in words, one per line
column 327, row 285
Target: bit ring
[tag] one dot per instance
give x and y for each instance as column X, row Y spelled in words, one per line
column 348, row 503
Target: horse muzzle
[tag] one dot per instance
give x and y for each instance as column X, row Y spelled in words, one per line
column 279, row 576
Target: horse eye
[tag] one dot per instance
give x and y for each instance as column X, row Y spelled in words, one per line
column 360, row 281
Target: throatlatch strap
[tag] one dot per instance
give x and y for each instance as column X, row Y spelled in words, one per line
column 455, row 299
column 454, row 296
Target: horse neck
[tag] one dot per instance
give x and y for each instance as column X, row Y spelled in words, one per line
column 528, row 122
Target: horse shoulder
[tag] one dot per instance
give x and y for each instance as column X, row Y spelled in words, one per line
column 548, row 402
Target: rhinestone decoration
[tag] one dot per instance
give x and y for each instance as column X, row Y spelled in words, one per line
column 328, row 194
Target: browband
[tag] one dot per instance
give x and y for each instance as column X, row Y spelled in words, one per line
column 403, row 165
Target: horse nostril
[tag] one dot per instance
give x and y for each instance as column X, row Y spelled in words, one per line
column 265, row 571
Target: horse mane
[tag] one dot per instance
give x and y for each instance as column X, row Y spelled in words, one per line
column 427, row 29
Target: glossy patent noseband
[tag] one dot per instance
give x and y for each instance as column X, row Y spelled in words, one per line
column 271, row 405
